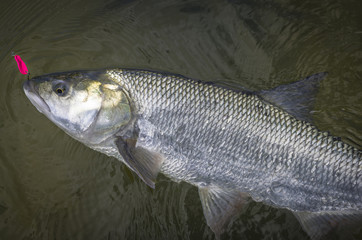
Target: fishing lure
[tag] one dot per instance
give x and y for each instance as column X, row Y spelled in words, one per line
column 21, row 65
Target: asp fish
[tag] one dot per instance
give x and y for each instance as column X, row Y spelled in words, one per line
column 232, row 145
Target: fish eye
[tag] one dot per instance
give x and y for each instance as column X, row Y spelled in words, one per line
column 61, row 89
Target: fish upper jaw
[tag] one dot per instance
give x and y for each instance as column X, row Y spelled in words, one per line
column 34, row 97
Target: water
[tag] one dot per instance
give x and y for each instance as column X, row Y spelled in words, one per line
column 52, row 187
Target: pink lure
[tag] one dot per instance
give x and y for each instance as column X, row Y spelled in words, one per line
column 21, row 65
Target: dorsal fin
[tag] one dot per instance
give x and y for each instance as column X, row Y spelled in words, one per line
column 220, row 206
column 296, row 98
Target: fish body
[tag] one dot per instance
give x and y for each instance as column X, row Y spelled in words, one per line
column 232, row 145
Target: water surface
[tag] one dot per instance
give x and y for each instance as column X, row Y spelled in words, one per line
column 52, row 187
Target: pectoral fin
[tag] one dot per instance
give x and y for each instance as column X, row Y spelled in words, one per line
column 320, row 225
column 220, row 206
column 146, row 164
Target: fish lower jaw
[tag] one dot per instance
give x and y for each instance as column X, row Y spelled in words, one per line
column 35, row 99
column 38, row 102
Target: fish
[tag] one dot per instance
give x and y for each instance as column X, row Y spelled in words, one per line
column 235, row 146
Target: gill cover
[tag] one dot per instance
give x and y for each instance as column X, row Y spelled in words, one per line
column 114, row 113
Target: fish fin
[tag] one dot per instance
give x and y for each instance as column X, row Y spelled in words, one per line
column 322, row 225
column 220, row 206
column 296, row 98
column 146, row 164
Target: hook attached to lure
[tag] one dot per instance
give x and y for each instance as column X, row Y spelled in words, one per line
column 21, row 65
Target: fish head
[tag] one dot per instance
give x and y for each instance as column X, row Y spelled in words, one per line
column 86, row 105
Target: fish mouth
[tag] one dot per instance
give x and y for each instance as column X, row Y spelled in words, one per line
column 35, row 99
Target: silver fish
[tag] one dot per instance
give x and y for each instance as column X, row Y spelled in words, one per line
column 233, row 145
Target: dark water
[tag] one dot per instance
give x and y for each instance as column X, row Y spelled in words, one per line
column 52, row 187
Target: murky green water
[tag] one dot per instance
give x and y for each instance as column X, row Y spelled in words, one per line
column 52, row 187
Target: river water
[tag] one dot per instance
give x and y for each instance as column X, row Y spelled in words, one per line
column 52, row 187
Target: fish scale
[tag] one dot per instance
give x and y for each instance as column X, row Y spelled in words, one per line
column 250, row 141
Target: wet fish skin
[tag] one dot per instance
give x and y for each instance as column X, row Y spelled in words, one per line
column 234, row 139
column 229, row 144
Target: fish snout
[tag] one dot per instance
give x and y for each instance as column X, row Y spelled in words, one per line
column 28, row 86
column 31, row 92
